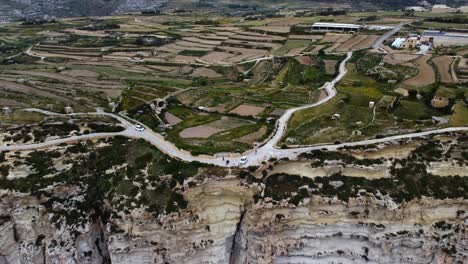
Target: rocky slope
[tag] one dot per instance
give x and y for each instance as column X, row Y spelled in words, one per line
column 117, row 201
column 18, row 9
column 223, row 226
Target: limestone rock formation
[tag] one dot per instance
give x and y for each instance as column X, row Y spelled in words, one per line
column 224, row 225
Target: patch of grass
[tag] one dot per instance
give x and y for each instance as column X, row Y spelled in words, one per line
column 220, row 142
column 355, row 91
column 22, row 117
column 290, row 45
column 196, row 53
column 414, row 110
column 460, row 115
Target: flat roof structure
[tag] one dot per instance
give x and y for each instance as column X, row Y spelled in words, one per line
column 436, row 33
column 441, row 38
column 336, row 25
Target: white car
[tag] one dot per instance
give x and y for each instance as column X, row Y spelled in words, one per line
column 243, row 160
column 139, row 128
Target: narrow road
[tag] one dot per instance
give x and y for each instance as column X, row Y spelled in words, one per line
column 385, row 36
column 255, row 157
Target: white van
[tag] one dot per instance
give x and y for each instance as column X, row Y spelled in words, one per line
column 243, row 160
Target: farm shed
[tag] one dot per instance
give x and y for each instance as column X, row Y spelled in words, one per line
column 441, row 38
column 319, row 26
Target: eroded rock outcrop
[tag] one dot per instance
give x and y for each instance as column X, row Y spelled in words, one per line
column 141, row 208
column 363, row 230
column 202, row 234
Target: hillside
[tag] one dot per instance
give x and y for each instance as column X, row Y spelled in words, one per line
column 11, row 10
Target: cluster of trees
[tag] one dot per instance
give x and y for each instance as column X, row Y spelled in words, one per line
column 460, row 19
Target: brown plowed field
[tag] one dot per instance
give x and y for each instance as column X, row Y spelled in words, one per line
column 306, row 37
column 330, row 66
column 216, row 57
column 425, row 74
column 397, row 58
column 248, row 110
column 349, row 44
column 366, row 43
column 335, row 37
column 443, row 64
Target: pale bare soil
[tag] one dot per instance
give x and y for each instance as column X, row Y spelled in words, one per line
column 387, row 152
column 207, row 130
column 306, row 60
column 443, row 64
column 366, row 43
column 277, row 112
column 204, row 131
column 330, row 66
column 296, row 51
column 248, row 110
column 162, row 68
column 316, row 49
column 336, row 37
column 216, row 57
column 253, row 137
column 172, row 119
column 425, row 74
column 203, row 41
column 253, row 43
column 444, row 169
column 184, row 59
column 399, row 58
column 306, row 37
column 21, row 88
column 274, row 29
column 304, row 168
column 205, row 72
column 243, row 54
column 80, row 73
column 349, row 44
column 51, row 75
column 323, row 94
column 246, row 35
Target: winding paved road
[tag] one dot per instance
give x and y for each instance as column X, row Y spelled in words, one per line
column 255, row 157
column 385, row 36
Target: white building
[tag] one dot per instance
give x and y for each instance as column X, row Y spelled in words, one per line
column 336, row 116
column 68, row 110
column 398, row 43
column 416, row 8
column 441, row 38
column 463, row 9
column 320, row 26
column 441, row 9
column 6, row 110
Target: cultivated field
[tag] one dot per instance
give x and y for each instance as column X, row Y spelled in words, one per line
column 425, row 76
column 443, row 64
column 217, row 85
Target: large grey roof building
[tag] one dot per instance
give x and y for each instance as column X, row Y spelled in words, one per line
column 441, row 38
column 321, row 26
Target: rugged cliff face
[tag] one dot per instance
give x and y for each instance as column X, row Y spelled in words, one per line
column 222, row 225
column 363, row 230
column 87, row 205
